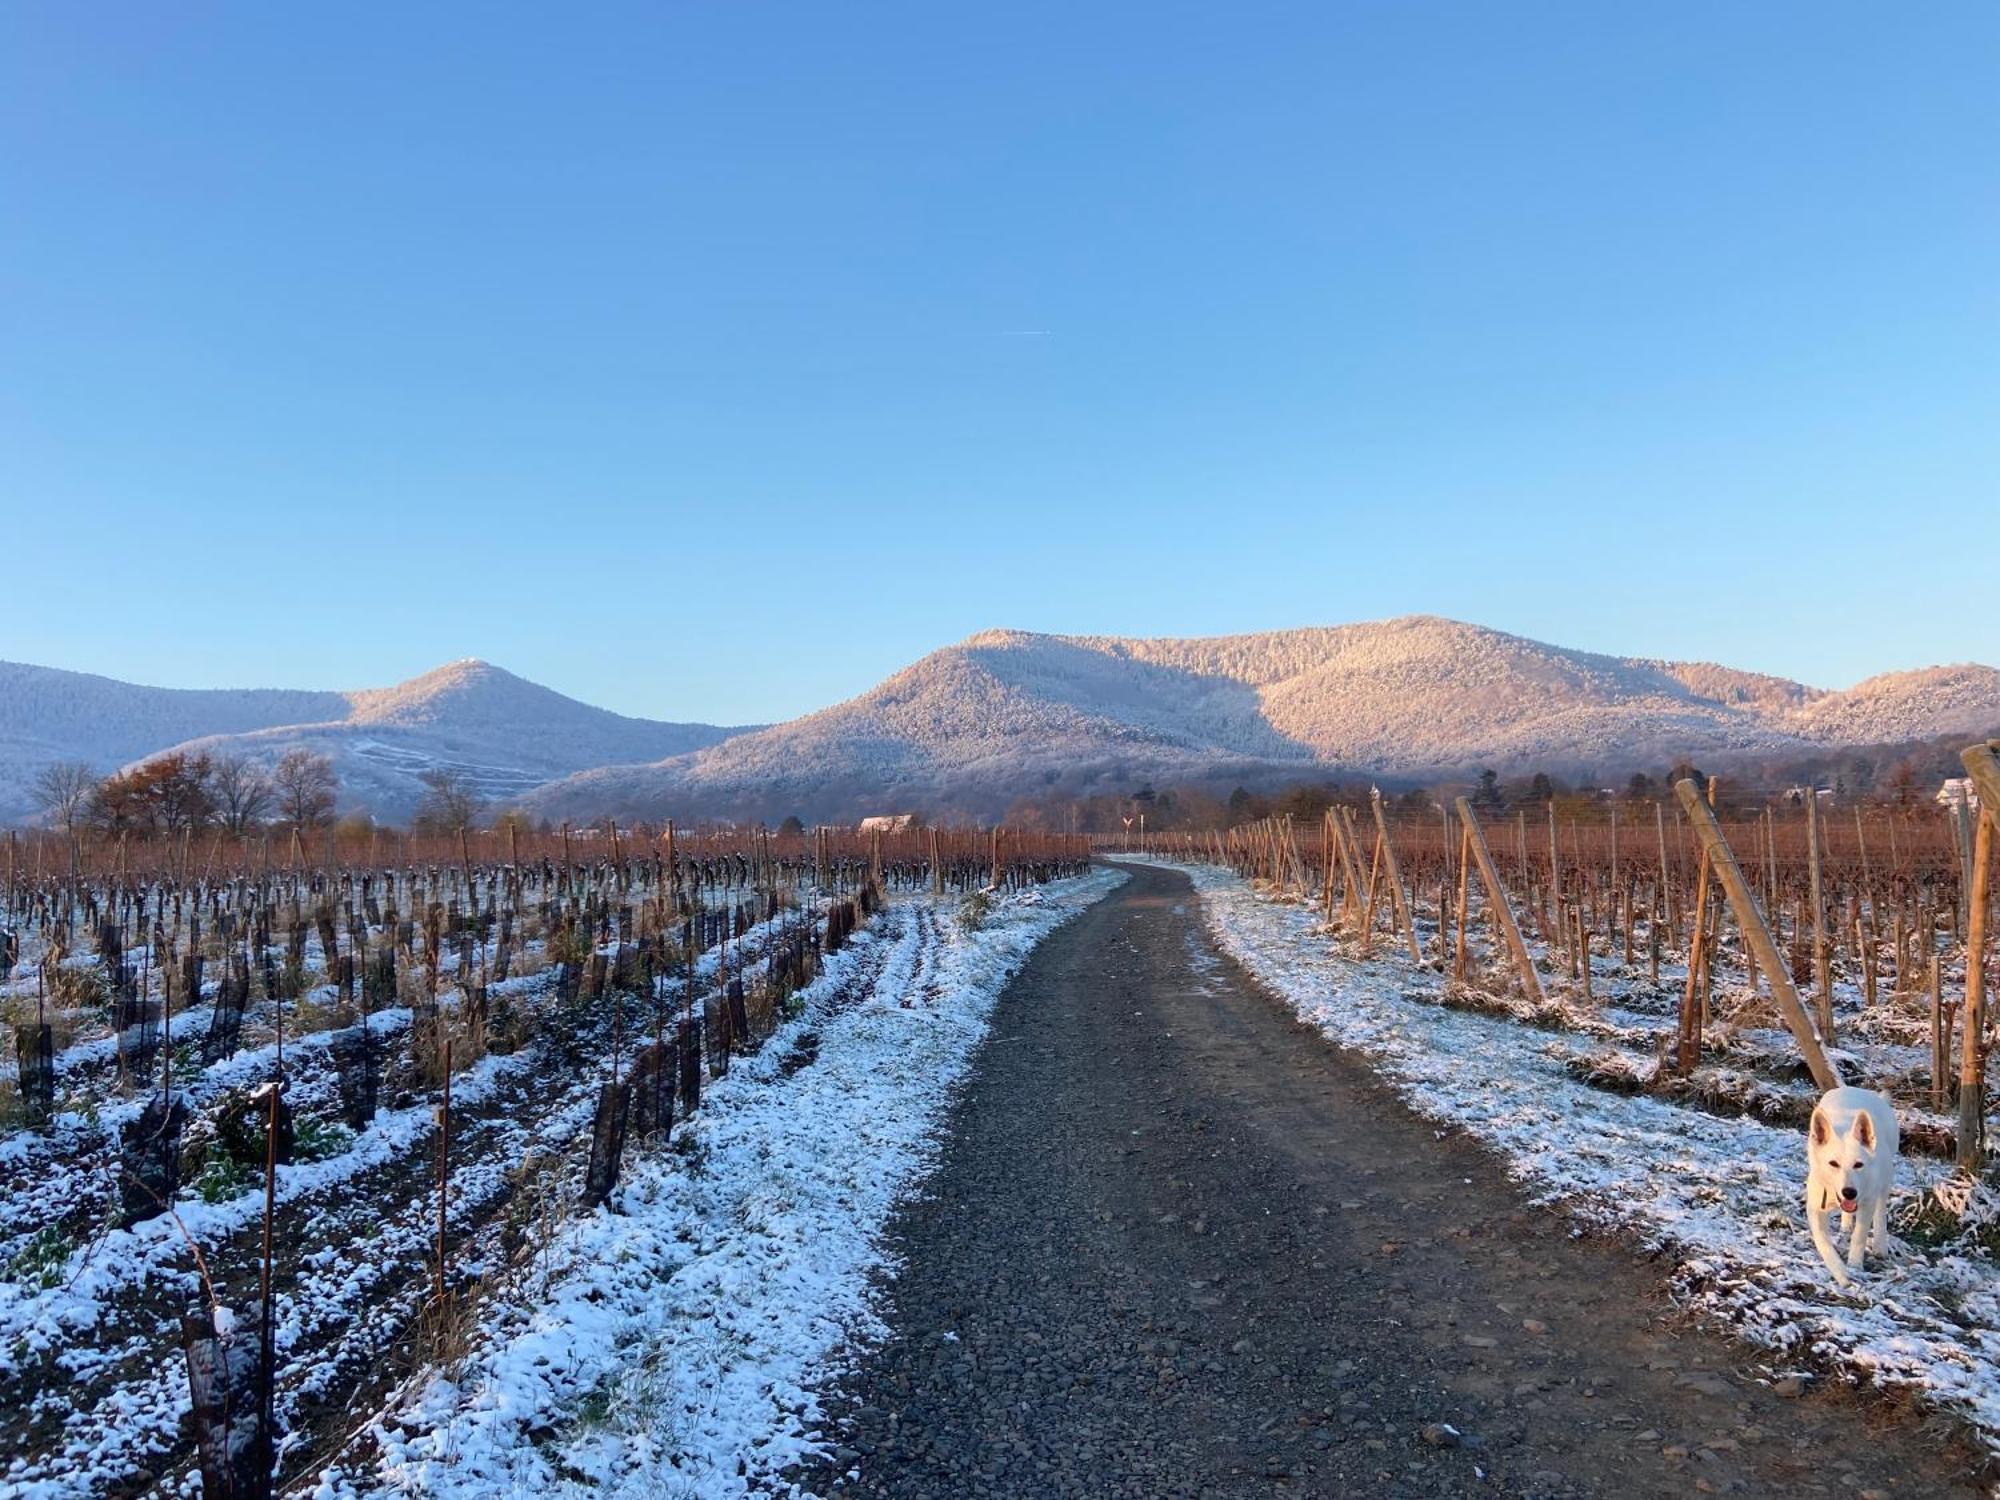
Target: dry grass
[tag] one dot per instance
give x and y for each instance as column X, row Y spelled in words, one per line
column 446, row 1326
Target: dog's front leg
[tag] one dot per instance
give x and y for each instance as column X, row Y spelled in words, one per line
column 1823, row 1241
column 1857, row 1243
column 1878, row 1236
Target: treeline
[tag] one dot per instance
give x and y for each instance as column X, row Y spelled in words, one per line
column 178, row 793
column 1903, row 777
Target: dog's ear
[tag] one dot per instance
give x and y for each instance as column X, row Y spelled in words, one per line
column 1864, row 1132
column 1819, row 1129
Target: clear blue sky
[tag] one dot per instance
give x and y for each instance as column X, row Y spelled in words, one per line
column 713, row 360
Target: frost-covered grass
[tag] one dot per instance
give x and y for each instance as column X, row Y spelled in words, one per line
column 671, row 1343
column 1723, row 1197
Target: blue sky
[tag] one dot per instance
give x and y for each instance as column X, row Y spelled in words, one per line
column 714, row 360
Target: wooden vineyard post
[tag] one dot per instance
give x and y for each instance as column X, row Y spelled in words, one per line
column 1464, row 893
column 1688, row 1051
column 1660, row 891
column 1582, row 951
column 1553, row 928
column 1868, row 893
column 1866, row 948
column 1496, row 897
column 1445, row 936
column 1958, row 815
column 1374, row 881
column 1751, row 922
column 1395, row 875
column 937, row 866
column 1521, row 854
column 1771, row 861
column 1350, row 870
column 1630, row 895
column 1940, row 1036
column 1984, row 768
column 1822, row 966
column 1326, row 879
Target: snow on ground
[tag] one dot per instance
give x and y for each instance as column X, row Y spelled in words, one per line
column 1723, row 1197
column 672, row 1347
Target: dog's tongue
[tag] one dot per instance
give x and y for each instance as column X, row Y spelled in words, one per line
column 1847, row 1208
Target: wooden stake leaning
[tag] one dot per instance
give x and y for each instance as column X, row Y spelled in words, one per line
column 1350, row 893
column 1688, row 1052
column 1496, row 898
column 1751, row 923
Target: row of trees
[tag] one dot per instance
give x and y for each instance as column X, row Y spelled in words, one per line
column 174, row 793
column 177, row 793
column 1906, row 784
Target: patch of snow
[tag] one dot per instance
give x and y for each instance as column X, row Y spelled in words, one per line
column 677, row 1346
column 1723, row 1197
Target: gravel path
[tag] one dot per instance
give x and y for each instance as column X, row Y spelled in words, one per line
column 1180, row 1246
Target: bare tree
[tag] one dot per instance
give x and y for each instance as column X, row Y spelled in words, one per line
column 305, row 785
column 449, row 803
column 243, row 793
column 62, row 791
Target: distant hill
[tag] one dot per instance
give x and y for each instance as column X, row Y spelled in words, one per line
column 1010, row 713
column 506, row 734
column 1007, row 713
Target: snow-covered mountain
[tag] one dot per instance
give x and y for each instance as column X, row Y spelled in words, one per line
column 506, row 734
column 1008, row 713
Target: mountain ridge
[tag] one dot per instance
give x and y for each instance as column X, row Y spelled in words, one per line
column 1008, row 713
column 504, row 733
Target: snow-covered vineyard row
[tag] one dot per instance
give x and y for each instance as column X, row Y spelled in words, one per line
column 443, row 1133
column 673, row 1344
column 1550, row 1091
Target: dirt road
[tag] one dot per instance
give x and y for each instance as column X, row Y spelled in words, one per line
column 1179, row 1245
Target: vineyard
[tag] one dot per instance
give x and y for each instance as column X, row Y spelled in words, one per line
column 1641, row 1018
column 1870, row 915
column 291, row 1135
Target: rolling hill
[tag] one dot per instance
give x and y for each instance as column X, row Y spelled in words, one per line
column 504, row 733
column 1008, row 713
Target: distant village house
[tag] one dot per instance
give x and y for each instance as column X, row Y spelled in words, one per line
column 1958, row 792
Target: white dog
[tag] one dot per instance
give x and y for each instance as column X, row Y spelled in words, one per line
column 1851, row 1166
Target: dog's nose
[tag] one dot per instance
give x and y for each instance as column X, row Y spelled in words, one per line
column 1849, row 1193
